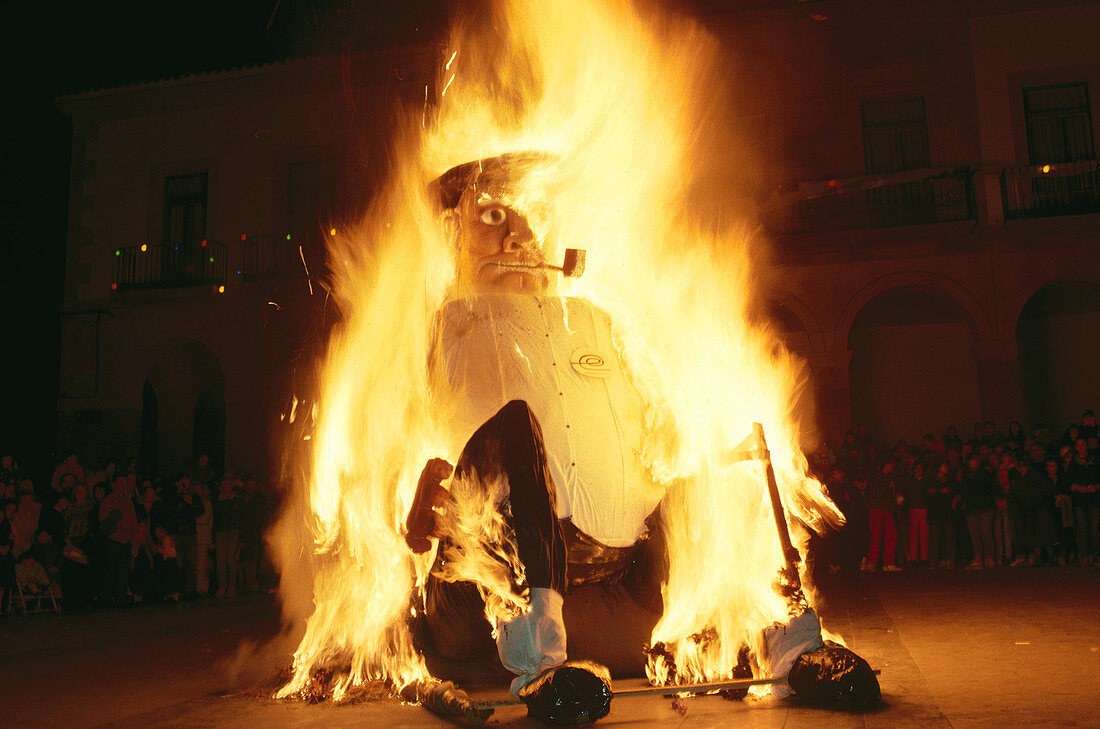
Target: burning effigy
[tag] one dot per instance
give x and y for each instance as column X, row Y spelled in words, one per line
column 522, row 460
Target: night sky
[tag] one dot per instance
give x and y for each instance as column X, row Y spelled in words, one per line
column 55, row 48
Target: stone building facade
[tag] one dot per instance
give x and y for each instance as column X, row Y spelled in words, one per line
column 926, row 178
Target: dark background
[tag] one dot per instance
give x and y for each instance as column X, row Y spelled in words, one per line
column 55, row 48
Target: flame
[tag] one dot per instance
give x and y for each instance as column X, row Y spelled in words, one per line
column 629, row 105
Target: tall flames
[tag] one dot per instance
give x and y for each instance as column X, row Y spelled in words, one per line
column 629, row 105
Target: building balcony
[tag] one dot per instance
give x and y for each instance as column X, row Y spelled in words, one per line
column 167, row 265
column 1041, row 191
column 917, row 197
column 269, row 256
column 279, row 255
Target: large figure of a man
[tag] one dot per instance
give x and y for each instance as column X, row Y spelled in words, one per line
column 536, row 380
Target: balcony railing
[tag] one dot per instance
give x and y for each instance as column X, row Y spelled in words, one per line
column 1039, row 191
column 169, row 266
column 278, row 256
column 267, row 256
column 934, row 199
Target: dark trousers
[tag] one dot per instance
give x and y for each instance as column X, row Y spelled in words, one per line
column 250, row 554
column 77, row 584
column 115, row 577
column 1034, row 529
column 511, row 444
column 980, row 525
column 186, row 554
column 1087, row 519
column 225, row 552
column 941, row 541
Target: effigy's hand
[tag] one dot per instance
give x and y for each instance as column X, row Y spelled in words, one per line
column 422, row 525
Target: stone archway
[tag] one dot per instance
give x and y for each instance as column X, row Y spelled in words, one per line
column 208, row 434
column 913, row 368
column 149, row 452
column 933, row 283
column 1058, row 339
column 184, row 376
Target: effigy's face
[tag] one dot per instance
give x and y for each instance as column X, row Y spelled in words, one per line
column 497, row 250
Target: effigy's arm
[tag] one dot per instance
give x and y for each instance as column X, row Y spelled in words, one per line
column 422, row 524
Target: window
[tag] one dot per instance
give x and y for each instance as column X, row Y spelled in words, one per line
column 311, row 193
column 895, row 136
column 185, row 210
column 1059, row 124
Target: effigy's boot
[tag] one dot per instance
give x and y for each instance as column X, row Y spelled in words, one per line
column 818, row 671
column 571, row 694
column 835, row 677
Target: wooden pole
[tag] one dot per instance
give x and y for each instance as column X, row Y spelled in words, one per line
column 689, row 689
column 698, row 688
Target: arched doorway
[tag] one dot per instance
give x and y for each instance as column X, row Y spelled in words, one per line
column 150, row 436
column 209, row 432
column 791, row 331
column 913, row 369
column 188, row 388
column 1058, row 335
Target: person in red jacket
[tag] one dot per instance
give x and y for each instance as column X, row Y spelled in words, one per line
column 119, row 526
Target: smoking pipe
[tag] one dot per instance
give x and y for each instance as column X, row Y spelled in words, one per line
column 572, row 266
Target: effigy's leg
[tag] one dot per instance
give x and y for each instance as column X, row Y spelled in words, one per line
column 502, row 544
column 510, row 444
column 519, row 572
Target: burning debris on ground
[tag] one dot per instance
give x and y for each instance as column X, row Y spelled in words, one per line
column 320, row 685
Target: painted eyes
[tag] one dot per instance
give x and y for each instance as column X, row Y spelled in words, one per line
column 493, row 216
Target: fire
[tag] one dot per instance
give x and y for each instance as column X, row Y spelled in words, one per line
column 629, row 106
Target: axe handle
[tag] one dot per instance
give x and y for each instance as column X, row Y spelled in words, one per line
column 790, row 555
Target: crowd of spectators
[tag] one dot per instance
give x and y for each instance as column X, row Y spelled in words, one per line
column 992, row 499
column 109, row 538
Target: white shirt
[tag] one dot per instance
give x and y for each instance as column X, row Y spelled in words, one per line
column 557, row 354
